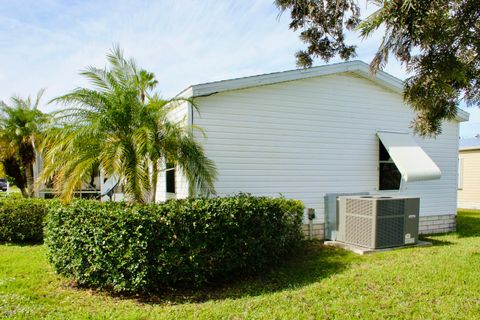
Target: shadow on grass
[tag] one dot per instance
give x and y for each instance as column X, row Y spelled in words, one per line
column 311, row 263
column 435, row 242
column 21, row 244
column 468, row 223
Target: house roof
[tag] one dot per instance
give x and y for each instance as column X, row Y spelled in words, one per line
column 358, row 67
column 470, row 143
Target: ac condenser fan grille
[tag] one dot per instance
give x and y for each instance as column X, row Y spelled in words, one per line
column 390, row 231
column 390, row 208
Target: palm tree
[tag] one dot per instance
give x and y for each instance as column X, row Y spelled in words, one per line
column 123, row 129
column 21, row 126
column 146, row 82
column 173, row 143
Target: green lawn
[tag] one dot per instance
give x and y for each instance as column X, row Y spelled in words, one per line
column 439, row 282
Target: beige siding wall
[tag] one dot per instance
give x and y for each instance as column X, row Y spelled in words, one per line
column 309, row 137
column 469, row 190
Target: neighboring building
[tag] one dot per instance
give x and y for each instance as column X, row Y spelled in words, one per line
column 330, row 129
column 89, row 189
column 469, row 173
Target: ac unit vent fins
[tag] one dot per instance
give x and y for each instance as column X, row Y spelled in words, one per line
column 359, row 207
column 358, row 230
column 390, row 231
column 390, row 208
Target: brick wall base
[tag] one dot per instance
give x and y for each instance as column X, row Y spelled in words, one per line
column 428, row 225
column 437, row 224
column 318, row 231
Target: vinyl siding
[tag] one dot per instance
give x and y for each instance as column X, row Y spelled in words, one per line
column 309, row 137
column 178, row 114
column 469, row 194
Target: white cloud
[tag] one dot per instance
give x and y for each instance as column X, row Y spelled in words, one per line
column 183, row 42
column 46, row 42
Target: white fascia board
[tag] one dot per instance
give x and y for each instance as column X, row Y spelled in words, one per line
column 462, row 115
column 358, row 67
column 186, row 94
column 382, row 78
column 469, row 148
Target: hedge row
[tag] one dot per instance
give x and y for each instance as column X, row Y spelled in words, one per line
column 136, row 248
column 22, row 220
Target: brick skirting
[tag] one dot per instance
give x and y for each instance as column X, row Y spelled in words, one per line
column 428, row 225
column 318, row 231
column 437, row 224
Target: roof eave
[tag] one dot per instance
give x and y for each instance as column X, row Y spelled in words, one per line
column 462, row 115
column 186, row 93
column 469, row 148
column 359, row 67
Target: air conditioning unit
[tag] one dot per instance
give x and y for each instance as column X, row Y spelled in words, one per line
column 377, row 221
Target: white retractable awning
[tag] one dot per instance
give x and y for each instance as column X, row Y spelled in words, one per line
column 412, row 162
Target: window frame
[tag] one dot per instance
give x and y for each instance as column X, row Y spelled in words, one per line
column 389, row 161
column 170, row 180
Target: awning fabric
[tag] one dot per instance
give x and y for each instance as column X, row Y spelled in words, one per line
column 412, row 162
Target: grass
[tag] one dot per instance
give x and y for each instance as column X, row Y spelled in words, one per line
column 438, row 282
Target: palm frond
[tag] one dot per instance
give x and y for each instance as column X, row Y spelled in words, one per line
column 124, row 129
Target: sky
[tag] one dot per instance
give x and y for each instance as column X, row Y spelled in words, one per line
column 46, row 43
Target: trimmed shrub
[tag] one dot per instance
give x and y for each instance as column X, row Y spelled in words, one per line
column 190, row 242
column 10, row 195
column 22, row 220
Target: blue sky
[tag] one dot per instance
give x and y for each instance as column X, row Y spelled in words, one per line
column 44, row 43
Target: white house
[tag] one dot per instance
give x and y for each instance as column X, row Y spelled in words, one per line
column 305, row 133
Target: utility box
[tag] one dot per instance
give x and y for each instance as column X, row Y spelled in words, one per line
column 378, row 221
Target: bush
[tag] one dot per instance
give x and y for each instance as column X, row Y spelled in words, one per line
column 10, row 195
column 182, row 242
column 22, row 220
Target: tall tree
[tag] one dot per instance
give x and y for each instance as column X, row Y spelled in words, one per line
column 436, row 40
column 21, row 128
column 124, row 129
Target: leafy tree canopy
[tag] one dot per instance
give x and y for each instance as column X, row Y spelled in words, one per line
column 437, row 41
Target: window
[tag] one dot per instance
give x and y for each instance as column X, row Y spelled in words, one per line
column 389, row 176
column 170, row 178
column 460, row 173
column 401, row 159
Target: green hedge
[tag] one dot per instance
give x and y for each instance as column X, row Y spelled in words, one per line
column 182, row 242
column 22, row 220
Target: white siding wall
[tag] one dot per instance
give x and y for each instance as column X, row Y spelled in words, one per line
column 179, row 114
column 309, row 137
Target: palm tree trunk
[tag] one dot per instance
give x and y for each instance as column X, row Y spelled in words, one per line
column 154, row 182
column 30, row 179
column 24, row 192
